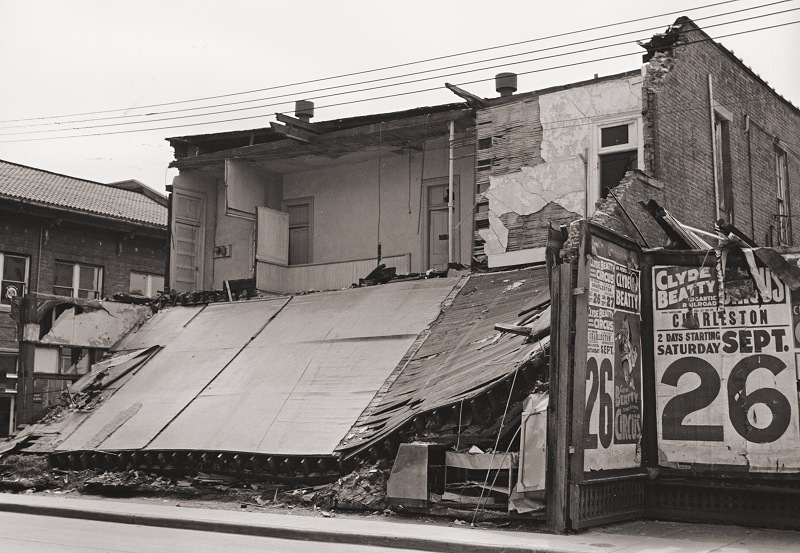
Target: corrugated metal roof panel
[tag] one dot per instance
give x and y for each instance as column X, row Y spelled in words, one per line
column 462, row 357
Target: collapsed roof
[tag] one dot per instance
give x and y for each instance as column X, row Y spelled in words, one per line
column 323, row 375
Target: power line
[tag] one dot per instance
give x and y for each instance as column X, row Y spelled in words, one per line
column 406, row 64
column 307, row 92
column 166, row 127
column 379, row 87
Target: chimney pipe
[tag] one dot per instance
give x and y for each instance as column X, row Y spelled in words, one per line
column 505, row 83
column 304, row 110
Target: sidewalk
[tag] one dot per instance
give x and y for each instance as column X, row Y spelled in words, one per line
column 632, row 537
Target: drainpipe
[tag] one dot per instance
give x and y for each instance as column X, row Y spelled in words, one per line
column 168, row 261
column 450, row 203
column 713, row 146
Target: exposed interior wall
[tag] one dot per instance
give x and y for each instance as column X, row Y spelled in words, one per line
column 345, row 198
column 345, row 206
column 534, row 153
column 245, row 187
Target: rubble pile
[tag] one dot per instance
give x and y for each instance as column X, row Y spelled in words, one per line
column 25, row 472
column 364, row 488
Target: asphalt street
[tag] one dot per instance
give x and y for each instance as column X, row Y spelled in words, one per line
column 23, row 533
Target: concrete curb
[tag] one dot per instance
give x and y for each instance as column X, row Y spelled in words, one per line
column 272, row 531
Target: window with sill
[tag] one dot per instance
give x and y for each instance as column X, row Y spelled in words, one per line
column 14, row 271
column 615, row 148
column 783, row 215
column 77, row 280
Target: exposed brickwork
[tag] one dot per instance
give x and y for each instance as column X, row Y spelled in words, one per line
column 527, row 231
column 678, row 134
column 624, row 215
column 20, row 234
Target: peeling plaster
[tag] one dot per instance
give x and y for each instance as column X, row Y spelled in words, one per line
column 496, row 236
column 567, row 117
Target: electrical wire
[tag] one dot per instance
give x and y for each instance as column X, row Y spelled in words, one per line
column 346, row 92
column 166, row 127
column 406, row 64
column 305, row 93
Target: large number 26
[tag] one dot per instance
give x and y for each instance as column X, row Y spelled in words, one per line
column 739, row 401
column 606, row 413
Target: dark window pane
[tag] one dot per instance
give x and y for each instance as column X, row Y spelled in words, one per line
column 613, row 168
column 88, row 276
column 14, row 268
column 298, row 214
column 8, row 364
column 485, row 143
column 298, row 246
column 614, row 136
column 63, row 275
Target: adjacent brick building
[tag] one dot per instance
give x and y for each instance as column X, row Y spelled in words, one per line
column 72, row 237
column 714, row 129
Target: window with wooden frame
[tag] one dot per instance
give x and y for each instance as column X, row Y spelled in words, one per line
column 783, row 214
column 14, row 271
column 77, row 280
column 615, row 149
column 722, row 161
column 301, row 230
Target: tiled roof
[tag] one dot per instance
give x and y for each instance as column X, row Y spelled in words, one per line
column 44, row 187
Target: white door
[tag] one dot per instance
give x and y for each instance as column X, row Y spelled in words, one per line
column 187, row 242
column 438, row 237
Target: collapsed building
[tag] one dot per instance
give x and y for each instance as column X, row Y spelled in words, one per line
column 437, row 359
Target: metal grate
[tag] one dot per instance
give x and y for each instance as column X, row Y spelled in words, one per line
column 607, row 501
column 766, row 506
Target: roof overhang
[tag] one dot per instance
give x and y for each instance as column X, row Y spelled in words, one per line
column 287, row 154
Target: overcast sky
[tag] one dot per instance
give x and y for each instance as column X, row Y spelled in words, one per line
column 63, row 62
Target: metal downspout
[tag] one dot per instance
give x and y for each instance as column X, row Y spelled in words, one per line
column 450, row 203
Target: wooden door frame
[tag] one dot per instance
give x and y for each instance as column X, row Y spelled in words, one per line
column 201, row 236
column 426, row 185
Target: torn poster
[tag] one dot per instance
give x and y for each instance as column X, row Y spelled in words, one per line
column 613, row 415
column 726, row 382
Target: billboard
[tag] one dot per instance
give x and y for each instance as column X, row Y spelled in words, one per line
column 613, row 411
column 725, row 369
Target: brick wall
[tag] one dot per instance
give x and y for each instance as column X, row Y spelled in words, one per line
column 678, row 134
column 71, row 242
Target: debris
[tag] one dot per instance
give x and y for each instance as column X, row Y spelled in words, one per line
column 363, row 489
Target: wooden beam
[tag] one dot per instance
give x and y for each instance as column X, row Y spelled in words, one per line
column 513, row 329
column 298, row 123
column 294, row 134
column 475, row 102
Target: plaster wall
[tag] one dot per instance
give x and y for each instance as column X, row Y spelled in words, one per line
column 346, row 199
column 567, row 118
